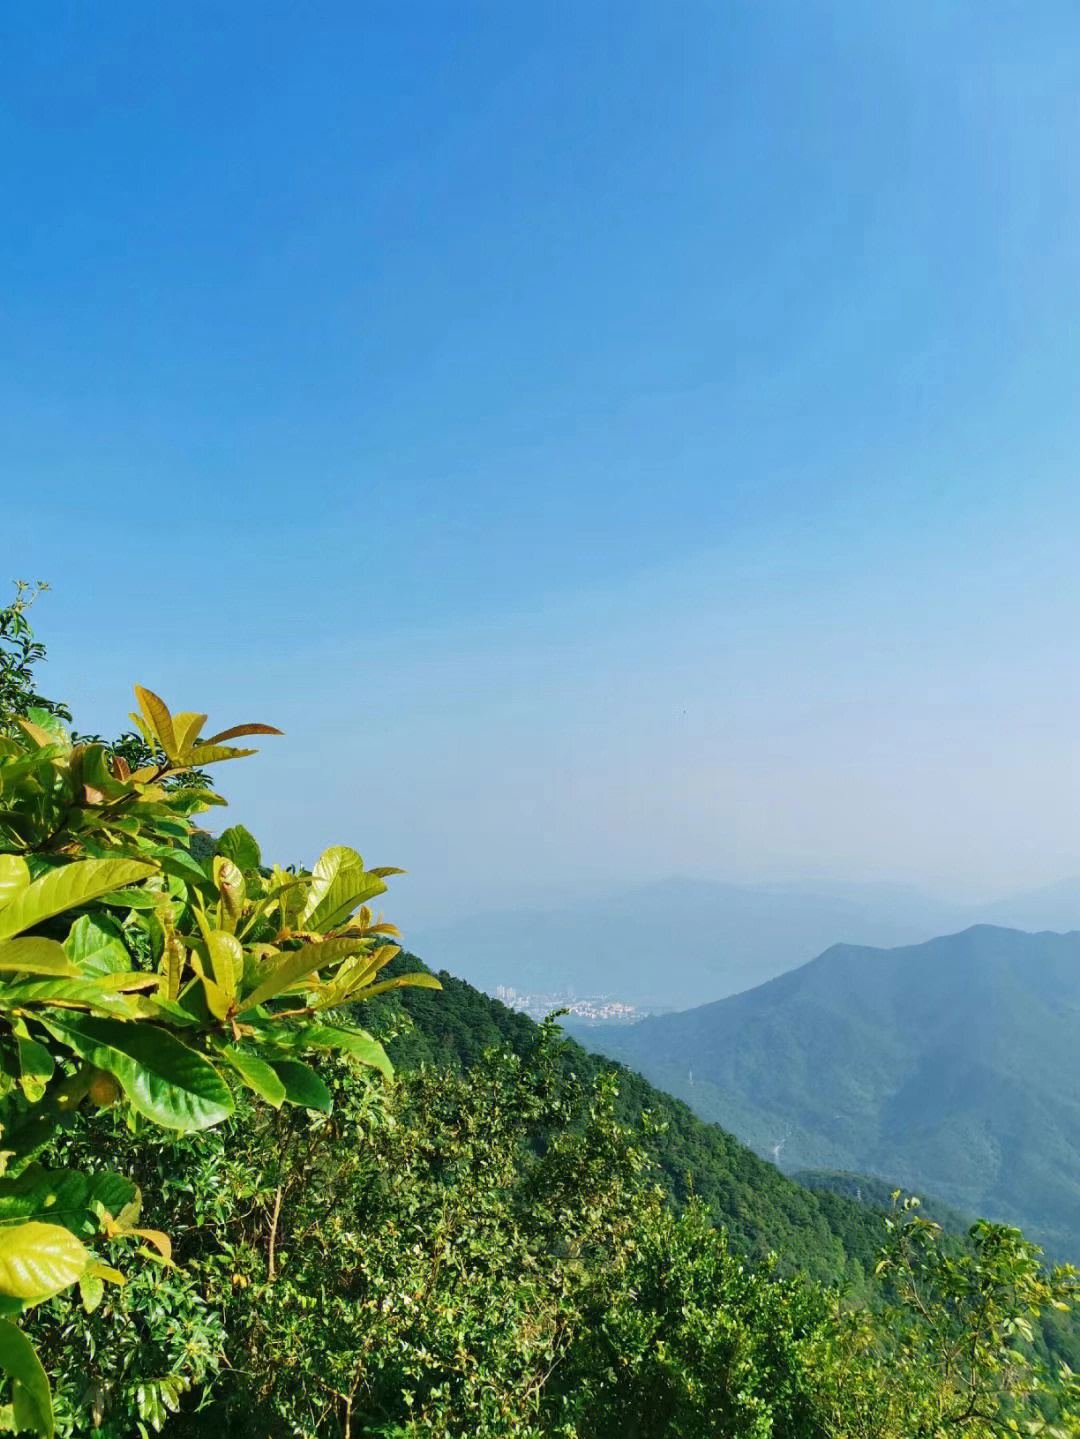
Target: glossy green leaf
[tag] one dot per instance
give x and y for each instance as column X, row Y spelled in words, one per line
column 30, row 1400
column 173, row 956
column 138, row 899
column 229, row 882
column 39, row 1260
column 164, row 1080
column 91, row 1290
column 226, row 957
column 237, row 844
column 297, row 964
column 65, row 888
column 64, row 993
column 338, row 884
column 403, row 981
column 64, row 1196
column 356, row 1043
column 36, row 1065
column 14, row 877
column 256, row 1073
column 95, row 945
column 302, row 1085
column 33, row 955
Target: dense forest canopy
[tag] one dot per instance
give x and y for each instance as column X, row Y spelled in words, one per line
column 224, row 1210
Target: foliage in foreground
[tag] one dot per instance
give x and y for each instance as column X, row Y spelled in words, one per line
column 136, row 966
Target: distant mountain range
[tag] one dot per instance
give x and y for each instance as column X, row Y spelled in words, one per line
column 951, row 1067
column 679, row 942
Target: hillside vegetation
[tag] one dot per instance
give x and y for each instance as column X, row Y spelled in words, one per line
column 947, row 1067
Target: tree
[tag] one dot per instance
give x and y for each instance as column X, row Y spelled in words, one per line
column 20, row 651
column 134, row 971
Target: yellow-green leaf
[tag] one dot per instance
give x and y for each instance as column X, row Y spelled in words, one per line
column 297, row 964
column 158, row 720
column 14, row 877
column 39, row 1260
column 237, row 731
column 186, row 727
column 33, row 955
column 226, row 956
column 72, row 884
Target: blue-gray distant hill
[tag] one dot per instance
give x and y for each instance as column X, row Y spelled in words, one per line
column 951, row 1067
column 676, row 942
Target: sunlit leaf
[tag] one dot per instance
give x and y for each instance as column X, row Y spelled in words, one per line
column 238, row 731
column 297, row 964
column 14, row 877
column 158, row 720
column 95, row 945
column 238, row 845
column 163, row 1079
column 65, row 888
column 33, row 955
column 38, row 1260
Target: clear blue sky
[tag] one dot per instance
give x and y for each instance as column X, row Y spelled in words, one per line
column 612, row 440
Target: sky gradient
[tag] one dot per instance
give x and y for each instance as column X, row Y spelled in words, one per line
column 612, row 441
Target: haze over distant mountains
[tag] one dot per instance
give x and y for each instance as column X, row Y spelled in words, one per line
column 676, row 943
column 951, row 1067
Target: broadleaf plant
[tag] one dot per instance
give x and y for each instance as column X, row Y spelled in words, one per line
column 144, row 965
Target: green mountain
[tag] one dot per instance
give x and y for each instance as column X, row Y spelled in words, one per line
column 828, row 1235
column 951, row 1067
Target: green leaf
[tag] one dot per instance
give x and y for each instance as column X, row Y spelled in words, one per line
column 186, row 727
column 302, row 1085
column 256, row 1073
column 298, row 963
column 33, row 955
column 204, row 754
column 14, row 877
column 237, row 844
column 67, row 887
column 403, row 981
column 165, row 1081
column 158, row 720
column 39, row 1260
column 138, row 899
column 91, row 1291
column 338, row 884
column 356, row 1043
column 63, row 993
column 31, row 1401
column 226, row 956
column 50, row 723
column 36, row 1065
column 64, row 1196
column 231, row 888
column 95, row 945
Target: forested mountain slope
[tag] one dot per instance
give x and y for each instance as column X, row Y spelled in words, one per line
column 949, row 1067
column 830, row 1236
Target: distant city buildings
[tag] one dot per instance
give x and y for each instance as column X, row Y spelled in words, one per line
column 599, row 1010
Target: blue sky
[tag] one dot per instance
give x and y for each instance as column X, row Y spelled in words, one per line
column 612, row 441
